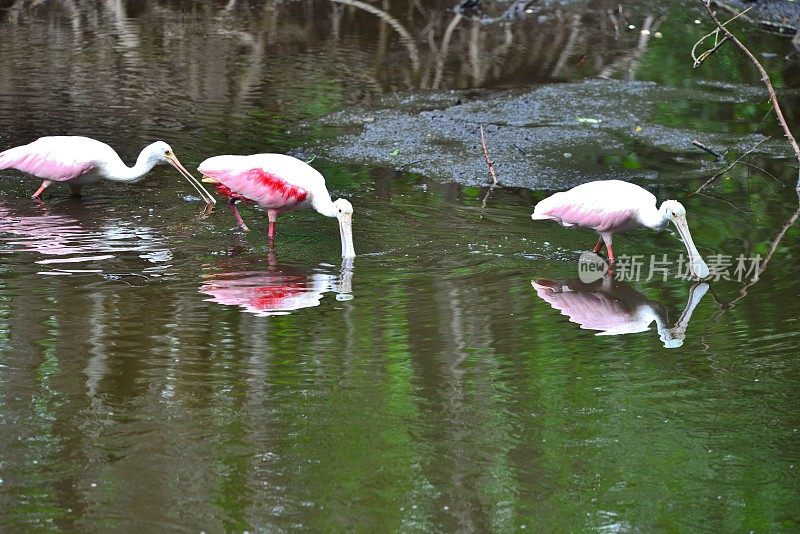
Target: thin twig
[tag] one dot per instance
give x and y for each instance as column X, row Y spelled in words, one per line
column 729, row 167
column 765, row 171
column 719, row 156
column 698, row 60
column 728, row 202
column 489, row 162
column 764, row 79
column 702, row 57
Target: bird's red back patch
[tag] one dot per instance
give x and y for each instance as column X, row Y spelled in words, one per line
column 278, row 185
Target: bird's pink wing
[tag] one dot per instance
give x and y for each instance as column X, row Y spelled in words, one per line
column 257, row 185
column 575, row 212
column 45, row 160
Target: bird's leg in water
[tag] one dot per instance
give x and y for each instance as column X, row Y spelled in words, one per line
column 611, row 258
column 599, row 246
column 75, row 191
column 608, row 239
column 273, row 216
column 45, row 185
column 239, row 221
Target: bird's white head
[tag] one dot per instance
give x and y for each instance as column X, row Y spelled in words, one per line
column 344, row 213
column 160, row 152
column 672, row 210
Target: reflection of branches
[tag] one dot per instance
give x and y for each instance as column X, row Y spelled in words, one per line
column 442, row 55
column 487, row 195
column 729, row 167
column 728, row 202
column 764, row 78
column 723, row 307
column 771, row 252
column 405, row 37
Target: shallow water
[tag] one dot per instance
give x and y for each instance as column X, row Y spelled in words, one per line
column 160, row 370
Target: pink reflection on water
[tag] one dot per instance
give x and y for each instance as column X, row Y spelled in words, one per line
column 613, row 308
column 65, row 240
column 276, row 291
column 52, row 235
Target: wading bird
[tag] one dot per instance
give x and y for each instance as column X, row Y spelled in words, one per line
column 78, row 161
column 277, row 183
column 611, row 206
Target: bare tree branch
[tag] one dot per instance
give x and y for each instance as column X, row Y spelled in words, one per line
column 764, row 79
column 701, row 146
column 489, row 162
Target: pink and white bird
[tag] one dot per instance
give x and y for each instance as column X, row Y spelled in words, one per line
column 78, row 161
column 611, row 206
column 277, row 183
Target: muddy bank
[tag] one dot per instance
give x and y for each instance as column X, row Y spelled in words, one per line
column 550, row 137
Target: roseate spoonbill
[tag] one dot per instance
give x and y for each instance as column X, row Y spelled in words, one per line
column 278, row 183
column 611, row 206
column 78, row 161
column 615, row 308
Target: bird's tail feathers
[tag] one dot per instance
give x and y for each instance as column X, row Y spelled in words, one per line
column 11, row 157
column 542, row 209
column 5, row 159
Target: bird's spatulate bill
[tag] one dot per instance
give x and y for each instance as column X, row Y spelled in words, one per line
column 697, row 266
column 346, row 234
column 205, row 195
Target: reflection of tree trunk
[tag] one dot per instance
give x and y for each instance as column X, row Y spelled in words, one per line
column 442, row 56
column 383, row 42
column 630, row 61
column 405, row 37
column 258, row 48
column 336, row 21
column 566, row 52
column 127, row 33
column 475, row 55
column 501, row 52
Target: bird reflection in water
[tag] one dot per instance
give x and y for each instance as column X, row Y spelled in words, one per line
column 76, row 238
column 613, row 307
column 278, row 290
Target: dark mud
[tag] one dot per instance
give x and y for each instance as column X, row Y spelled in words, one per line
column 551, row 137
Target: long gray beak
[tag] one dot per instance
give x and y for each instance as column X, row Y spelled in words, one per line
column 205, row 195
column 697, row 266
column 346, row 234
